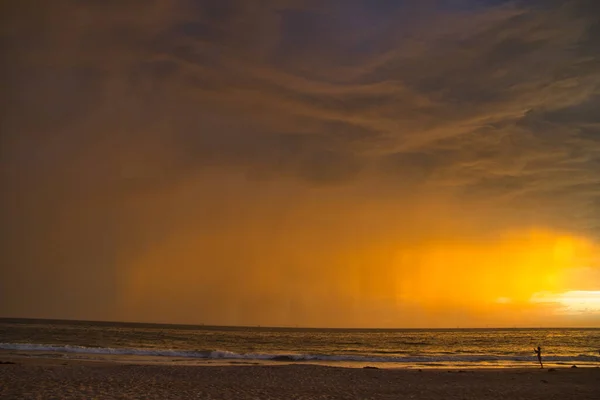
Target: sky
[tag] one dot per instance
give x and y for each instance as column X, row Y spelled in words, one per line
column 355, row 163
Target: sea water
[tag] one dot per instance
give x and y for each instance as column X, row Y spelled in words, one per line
column 408, row 348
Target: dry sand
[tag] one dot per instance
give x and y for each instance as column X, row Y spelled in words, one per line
column 57, row 379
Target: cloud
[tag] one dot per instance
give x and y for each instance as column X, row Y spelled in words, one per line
column 120, row 120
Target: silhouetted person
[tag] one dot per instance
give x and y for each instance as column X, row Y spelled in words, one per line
column 538, row 351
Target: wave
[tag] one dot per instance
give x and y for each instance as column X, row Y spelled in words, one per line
column 224, row 354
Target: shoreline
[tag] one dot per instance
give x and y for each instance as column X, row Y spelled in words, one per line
column 80, row 379
column 43, row 361
column 35, row 358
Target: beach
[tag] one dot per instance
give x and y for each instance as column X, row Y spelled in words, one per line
column 31, row 378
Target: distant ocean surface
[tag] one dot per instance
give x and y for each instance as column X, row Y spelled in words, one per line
column 384, row 348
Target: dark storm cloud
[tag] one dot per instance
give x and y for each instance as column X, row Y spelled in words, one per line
column 106, row 102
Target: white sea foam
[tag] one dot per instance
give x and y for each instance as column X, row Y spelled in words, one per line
column 228, row 355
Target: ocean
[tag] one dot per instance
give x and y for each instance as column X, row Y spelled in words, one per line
column 383, row 348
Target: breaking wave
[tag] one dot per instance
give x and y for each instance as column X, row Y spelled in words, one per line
column 228, row 355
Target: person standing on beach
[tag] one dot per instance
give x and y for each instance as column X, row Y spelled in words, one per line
column 538, row 351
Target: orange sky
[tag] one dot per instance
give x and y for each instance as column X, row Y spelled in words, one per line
column 356, row 163
column 341, row 257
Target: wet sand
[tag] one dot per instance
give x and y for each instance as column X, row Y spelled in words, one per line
column 47, row 379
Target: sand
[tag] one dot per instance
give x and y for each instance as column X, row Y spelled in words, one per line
column 57, row 379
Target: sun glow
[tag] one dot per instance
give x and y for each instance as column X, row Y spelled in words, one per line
column 481, row 281
column 572, row 302
column 506, row 271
